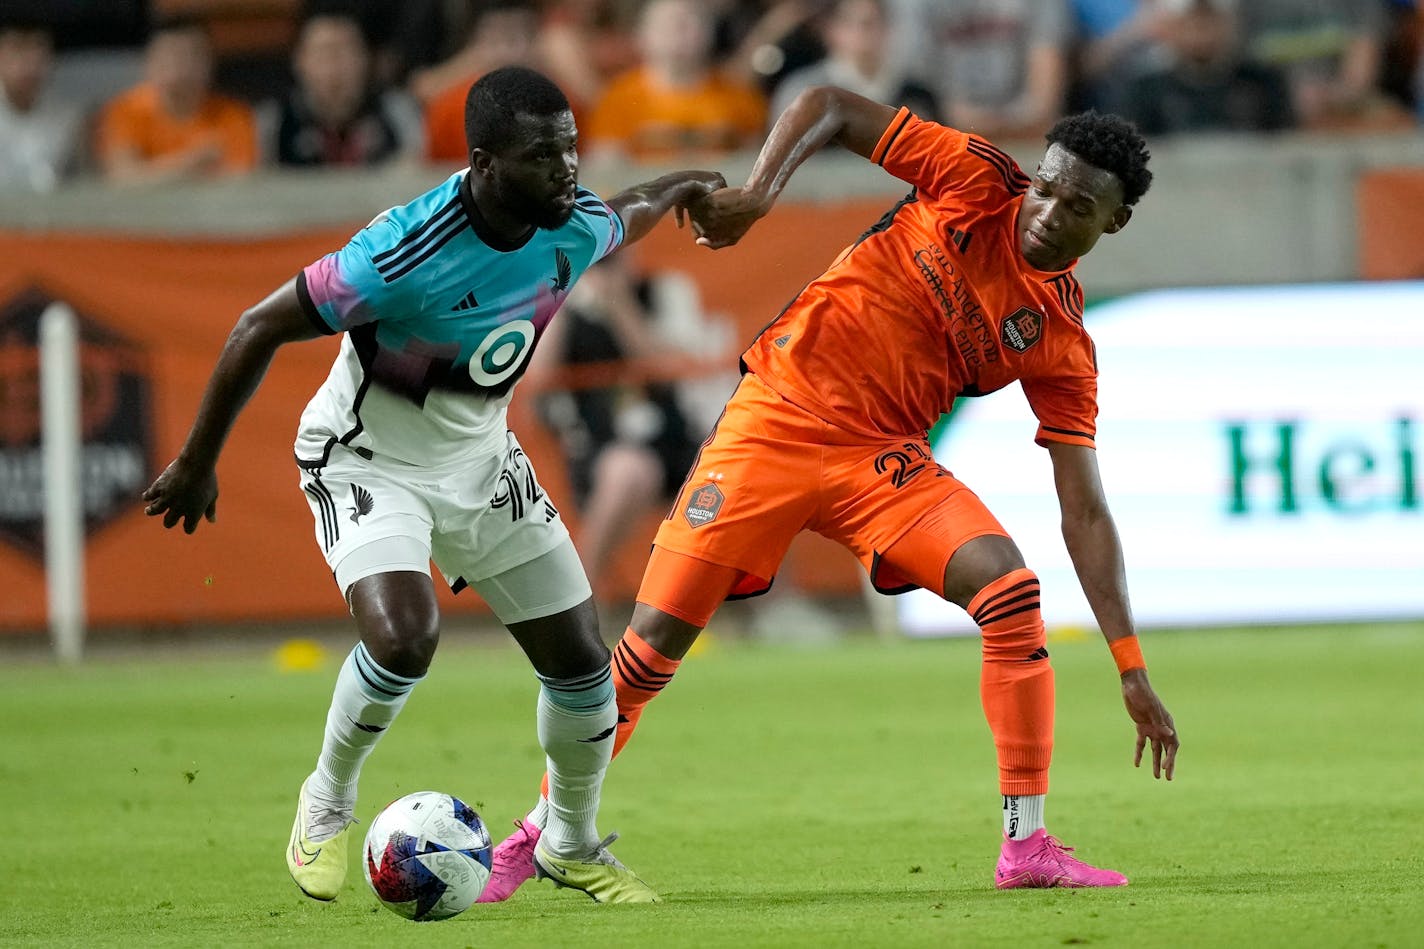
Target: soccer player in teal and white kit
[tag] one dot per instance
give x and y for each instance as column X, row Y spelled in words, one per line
column 405, row 456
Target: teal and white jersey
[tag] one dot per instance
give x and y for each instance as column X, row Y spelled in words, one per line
column 440, row 318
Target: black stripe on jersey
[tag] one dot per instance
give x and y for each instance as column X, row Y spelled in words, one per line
column 440, row 238
column 890, row 142
column 1070, row 294
column 599, row 211
column 309, row 306
column 990, row 152
column 1069, row 431
column 416, row 236
column 887, row 218
column 1014, row 179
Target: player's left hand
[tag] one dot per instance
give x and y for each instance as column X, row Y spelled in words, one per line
column 1154, row 724
column 696, row 186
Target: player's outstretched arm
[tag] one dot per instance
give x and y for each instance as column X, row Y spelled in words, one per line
column 187, row 490
column 820, row 115
column 1091, row 538
column 642, row 206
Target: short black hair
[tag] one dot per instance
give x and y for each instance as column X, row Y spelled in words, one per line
column 1111, row 143
column 497, row 98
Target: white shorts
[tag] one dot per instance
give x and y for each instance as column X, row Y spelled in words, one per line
column 481, row 522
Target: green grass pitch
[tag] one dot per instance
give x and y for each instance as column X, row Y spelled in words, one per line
column 776, row 796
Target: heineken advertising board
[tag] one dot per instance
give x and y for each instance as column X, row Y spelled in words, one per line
column 1262, row 451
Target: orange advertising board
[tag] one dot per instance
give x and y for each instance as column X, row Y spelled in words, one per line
column 153, row 316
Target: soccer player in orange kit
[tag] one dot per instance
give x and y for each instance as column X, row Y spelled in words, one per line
column 964, row 287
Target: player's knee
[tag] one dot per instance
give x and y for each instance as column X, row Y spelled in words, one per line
column 666, row 634
column 1007, row 610
column 977, row 565
column 591, row 655
column 403, row 637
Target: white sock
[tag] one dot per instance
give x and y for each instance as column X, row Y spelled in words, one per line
column 539, row 815
column 1023, row 814
column 577, row 718
column 366, row 700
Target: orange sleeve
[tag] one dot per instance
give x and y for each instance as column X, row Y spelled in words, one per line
column 1066, row 403
column 937, row 160
column 1067, row 409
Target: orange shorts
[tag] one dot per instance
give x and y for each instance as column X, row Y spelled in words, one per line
column 771, row 469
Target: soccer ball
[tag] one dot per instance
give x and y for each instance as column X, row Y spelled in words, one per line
column 427, row 856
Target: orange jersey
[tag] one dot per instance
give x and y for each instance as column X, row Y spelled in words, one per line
column 652, row 122
column 136, row 120
column 935, row 302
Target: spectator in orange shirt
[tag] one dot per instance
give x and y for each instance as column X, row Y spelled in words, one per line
column 172, row 125
column 677, row 102
column 503, row 34
column 585, row 44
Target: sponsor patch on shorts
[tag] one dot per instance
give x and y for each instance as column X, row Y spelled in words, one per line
column 704, row 505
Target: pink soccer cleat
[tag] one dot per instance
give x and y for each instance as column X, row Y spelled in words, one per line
column 1040, row 861
column 511, row 863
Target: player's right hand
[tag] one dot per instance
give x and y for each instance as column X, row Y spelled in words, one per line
column 1154, row 724
column 183, row 494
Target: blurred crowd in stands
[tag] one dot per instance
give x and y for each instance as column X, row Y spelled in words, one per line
column 154, row 90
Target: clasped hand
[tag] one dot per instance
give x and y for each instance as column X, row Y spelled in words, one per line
column 721, row 218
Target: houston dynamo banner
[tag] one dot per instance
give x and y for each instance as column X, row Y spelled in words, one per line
column 1261, row 450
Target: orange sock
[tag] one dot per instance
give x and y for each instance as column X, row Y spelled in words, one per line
column 1016, row 681
column 639, row 674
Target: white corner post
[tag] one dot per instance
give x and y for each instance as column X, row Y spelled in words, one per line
column 62, row 447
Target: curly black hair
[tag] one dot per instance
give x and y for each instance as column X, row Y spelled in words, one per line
column 498, row 97
column 1108, row 142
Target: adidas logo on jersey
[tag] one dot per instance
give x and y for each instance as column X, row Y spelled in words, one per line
column 467, row 302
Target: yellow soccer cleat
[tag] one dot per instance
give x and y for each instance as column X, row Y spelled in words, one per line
column 317, row 853
column 602, row 877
